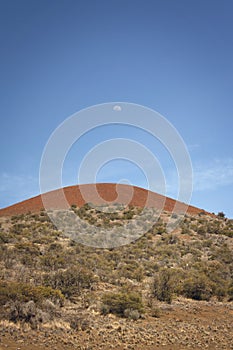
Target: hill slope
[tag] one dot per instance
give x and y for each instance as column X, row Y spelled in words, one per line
column 163, row 291
column 109, row 192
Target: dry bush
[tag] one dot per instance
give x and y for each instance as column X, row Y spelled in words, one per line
column 71, row 281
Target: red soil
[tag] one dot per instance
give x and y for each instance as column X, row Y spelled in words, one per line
column 98, row 194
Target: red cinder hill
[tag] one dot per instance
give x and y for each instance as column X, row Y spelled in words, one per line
column 97, row 194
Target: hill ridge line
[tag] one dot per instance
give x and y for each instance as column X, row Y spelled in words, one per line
column 107, row 193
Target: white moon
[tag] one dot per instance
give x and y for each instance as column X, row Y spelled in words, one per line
column 117, row 108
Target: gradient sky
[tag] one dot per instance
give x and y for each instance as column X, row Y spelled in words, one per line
column 176, row 57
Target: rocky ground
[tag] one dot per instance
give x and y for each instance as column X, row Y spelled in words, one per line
column 182, row 325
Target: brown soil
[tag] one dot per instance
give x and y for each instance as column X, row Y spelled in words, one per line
column 183, row 325
column 101, row 193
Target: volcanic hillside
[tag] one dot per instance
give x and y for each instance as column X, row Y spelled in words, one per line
column 101, row 193
column 164, row 290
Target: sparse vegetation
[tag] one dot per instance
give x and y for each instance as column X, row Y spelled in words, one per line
column 42, row 270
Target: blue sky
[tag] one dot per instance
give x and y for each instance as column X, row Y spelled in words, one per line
column 176, row 57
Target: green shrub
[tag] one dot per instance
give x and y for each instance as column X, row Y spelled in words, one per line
column 164, row 285
column 71, row 281
column 198, row 287
column 24, row 292
column 118, row 303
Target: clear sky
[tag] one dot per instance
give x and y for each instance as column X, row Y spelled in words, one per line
column 174, row 56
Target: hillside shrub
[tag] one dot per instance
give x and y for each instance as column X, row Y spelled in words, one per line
column 164, row 285
column 27, row 312
column 71, row 281
column 24, row 292
column 118, row 303
column 198, row 287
